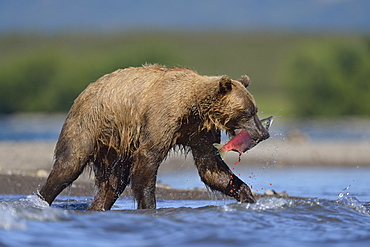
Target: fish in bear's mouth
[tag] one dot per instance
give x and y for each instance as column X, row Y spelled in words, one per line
column 242, row 141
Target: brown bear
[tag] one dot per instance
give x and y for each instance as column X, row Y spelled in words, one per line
column 125, row 123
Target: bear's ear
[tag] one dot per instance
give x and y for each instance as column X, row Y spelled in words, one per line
column 225, row 85
column 245, row 80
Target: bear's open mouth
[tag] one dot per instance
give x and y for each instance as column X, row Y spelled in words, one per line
column 244, row 140
column 247, row 142
column 252, row 144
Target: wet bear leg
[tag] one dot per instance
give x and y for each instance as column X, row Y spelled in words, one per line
column 143, row 181
column 111, row 182
column 71, row 158
column 65, row 170
column 215, row 173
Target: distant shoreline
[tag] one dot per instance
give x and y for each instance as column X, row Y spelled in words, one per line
column 28, row 157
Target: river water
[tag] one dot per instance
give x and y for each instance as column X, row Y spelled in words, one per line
column 27, row 221
column 333, row 208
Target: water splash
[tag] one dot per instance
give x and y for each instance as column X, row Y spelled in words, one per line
column 35, row 201
column 9, row 219
column 262, row 204
column 352, row 202
column 344, row 192
column 15, row 213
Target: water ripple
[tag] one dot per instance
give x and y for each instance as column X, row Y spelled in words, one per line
column 278, row 221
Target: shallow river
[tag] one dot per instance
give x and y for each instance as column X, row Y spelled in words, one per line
column 335, row 212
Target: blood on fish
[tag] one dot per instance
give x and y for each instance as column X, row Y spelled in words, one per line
column 240, row 143
column 239, row 159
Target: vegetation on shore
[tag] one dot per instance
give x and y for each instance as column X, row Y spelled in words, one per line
column 296, row 75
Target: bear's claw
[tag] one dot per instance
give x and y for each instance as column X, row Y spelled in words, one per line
column 245, row 194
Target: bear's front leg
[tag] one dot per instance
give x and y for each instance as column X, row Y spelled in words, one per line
column 215, row 173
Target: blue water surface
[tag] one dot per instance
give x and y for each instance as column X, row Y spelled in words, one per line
column 327, row 207
column 27, row 221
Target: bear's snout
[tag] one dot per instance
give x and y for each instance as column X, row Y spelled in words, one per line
column 255, row 128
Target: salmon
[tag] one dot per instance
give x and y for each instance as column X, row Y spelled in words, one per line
column 242, row 141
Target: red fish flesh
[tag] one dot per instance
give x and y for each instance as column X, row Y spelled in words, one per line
column 240, row 143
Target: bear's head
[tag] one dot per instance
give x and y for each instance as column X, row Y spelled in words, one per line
column 234, row 108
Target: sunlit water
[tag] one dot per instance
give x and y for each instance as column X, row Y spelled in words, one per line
column 345, row 221
column 333, row 210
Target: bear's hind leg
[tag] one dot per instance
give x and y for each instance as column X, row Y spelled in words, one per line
column 144, row 178
column 61, row 176
column 70, row 160
column 111, row 181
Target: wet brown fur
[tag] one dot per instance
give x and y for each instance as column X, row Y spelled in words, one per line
column 125, row 123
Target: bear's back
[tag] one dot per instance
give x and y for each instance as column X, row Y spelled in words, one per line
column 136, row 86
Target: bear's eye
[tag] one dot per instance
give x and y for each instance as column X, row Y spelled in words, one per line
column 249, row 115
column 251, row 112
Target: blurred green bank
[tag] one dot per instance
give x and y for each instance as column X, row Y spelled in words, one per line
column 296, row 75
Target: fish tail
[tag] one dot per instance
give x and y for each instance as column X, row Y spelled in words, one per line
column 219, row 148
